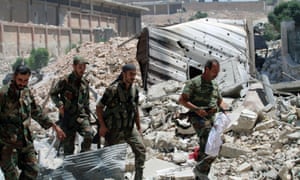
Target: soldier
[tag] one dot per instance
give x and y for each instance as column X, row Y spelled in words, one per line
column 117, row 113
column 17, row 107
column 71, row 96
column 201, row 95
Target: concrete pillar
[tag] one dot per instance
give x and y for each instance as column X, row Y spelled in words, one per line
column 57, row 14
column 28, row 10
column 1, row 38
column 32, row 36
column 70, row 37
column 18, row 40
column 58, row 40
column 46, row 37
column 126, row 24
column 80, row 26
column 251, row 48
column 46, row 12
column 92, row 6
column 11, row 9
column 285, row 27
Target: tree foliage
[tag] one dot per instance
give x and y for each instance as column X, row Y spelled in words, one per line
column 38, row 58
column 270, row 32
column 283, row 12
column 18, row 62
column 198, row 15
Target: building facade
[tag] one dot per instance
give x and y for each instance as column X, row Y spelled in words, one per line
column 56, row 24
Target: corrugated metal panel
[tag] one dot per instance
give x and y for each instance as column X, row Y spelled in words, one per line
column 108, row 162
column 180, row 51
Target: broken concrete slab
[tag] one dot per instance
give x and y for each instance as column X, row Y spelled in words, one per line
column 246, row 121
column 233, row 150
column 152, row 166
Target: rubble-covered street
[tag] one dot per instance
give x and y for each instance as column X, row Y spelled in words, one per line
column 262, row 142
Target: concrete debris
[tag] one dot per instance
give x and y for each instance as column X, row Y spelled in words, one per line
column 262, row 142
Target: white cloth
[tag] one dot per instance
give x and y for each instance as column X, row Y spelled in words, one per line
column 214, row 140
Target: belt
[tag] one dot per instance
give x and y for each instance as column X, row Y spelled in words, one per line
column 210, row 112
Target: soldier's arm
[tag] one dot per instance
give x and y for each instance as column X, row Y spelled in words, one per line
column 85, row 111
column 184, row 100
column 99, row 112
column 38, row 115
column 137, row 121
column 137, row 114
column 55, row 92
column 222, row 105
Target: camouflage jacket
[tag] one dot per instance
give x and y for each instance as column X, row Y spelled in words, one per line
column 16, row 110
column 73, row 93
column 202, row 93
column 120, row 106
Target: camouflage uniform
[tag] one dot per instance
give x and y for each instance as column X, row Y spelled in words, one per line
column 16, row 145
column 73, row 93
column 119, row 117
column 204, row 95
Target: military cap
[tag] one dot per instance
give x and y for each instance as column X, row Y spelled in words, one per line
column 128, row 67
column 79, row 60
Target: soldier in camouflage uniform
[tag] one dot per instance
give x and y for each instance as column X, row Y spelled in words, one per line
column 201, row 95
column 117, row 113
column 17, row 107
column 71, row 96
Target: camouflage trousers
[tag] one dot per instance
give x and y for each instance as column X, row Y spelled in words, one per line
column 202, row 129
column 134, row 139
column 84, row 129
column 24, row 158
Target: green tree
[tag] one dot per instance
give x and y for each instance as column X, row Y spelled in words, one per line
column 270, row 33
column 283, row 12
column 18, row 62
column 38, row 58
column 198, row 15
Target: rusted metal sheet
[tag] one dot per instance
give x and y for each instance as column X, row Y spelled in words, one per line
column 179, row 52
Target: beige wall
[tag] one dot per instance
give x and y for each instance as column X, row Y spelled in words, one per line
column 43, row 12
column 24, row 24
column 19, row 39
column 9, row 40
column 39, row 37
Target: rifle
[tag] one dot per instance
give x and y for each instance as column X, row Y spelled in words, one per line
column 97, row 137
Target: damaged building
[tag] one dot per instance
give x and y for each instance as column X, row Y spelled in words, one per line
column 261, row 143
column 180, row 51
column 57, row 24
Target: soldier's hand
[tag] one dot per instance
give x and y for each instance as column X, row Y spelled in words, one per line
column 140, row 131
column 201, row 112
column 59, row 132
column 102, row 131
column 61, row 110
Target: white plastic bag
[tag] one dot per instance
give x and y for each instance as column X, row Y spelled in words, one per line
column 213, row 143
column 214, row 140
column 1, row 174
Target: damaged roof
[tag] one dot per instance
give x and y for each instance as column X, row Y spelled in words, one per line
column 180, row 51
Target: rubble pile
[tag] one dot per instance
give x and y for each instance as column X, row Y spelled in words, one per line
column 106, row 60
column 263, row 141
